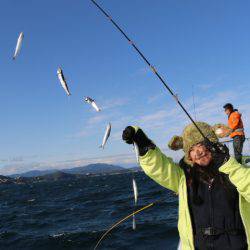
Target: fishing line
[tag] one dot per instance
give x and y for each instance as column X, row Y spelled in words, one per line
column 194, row 103
column 122, row 220
column 150, row 66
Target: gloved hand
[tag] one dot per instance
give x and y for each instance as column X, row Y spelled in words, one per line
column 131, row 135
column 220, row 152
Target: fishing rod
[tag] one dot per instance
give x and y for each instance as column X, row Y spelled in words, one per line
column 122, row 220
column 150, row 66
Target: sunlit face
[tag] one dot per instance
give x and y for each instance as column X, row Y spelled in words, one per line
column 200, row 155
column 227, row 111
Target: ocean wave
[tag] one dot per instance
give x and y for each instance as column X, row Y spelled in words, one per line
column 74, row 215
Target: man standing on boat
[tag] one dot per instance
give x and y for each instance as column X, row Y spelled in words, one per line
column 236, row 125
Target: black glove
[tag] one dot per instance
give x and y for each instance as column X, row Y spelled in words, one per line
column 143, row 142
column 220, row 152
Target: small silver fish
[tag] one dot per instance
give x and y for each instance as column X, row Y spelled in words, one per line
column 134, row 224
column 106, row 135
column 136, row 198
column 93, row 104
column 63, row 81
column 136, row 152
column 135, row 191
column 18, row 45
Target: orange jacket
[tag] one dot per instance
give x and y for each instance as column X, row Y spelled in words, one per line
column 235, row 123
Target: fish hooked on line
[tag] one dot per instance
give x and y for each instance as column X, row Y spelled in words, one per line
column 63, row 81
column 136, row 148
column 135, row 189
column 134, row 224
column 18, row 45
column 92, row 103
column 106, row 135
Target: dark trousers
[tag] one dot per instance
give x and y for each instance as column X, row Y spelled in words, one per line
column 238, row 142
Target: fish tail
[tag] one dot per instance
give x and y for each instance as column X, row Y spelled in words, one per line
column 134, row 223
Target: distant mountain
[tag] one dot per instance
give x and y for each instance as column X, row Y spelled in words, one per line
column 58, row 175
column 89, row 169
column 34, row 173
column 94, row 169
column 65, row 174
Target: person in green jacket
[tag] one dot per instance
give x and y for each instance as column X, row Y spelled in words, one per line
column 213, row 188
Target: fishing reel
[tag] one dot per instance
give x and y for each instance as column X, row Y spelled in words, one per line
column 219, row 151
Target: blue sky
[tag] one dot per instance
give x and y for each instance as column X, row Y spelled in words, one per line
column 193, row 44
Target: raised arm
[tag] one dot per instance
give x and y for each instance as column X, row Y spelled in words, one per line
column 239, row 175
column 154, row 163
column 161, row 169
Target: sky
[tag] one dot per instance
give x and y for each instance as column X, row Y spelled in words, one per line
column 201, row 48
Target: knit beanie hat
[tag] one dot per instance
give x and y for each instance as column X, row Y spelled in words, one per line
column 190, row 137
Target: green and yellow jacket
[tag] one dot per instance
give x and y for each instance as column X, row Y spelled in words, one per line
column 168, row 174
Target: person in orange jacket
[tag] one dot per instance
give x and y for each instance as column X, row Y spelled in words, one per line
column 237, row 130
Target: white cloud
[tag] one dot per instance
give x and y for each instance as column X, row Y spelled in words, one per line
column 159, row 115
column 19, row 168
column 141, row 71
column 208, row 86
column 155, row 98
column 160, row 125
column 102, row 118
column 114, row 103
column 80, row 134
column 97, row 119
column 12, row 159
column 127, row 159
column 120, row 159
column 116, row 136
column 205, row 86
